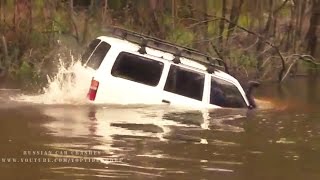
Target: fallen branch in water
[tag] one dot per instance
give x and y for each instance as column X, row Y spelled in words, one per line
column 306, row 58
column 303, row 57
column 289, row 69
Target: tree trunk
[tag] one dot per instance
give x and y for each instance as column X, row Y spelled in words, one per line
column 173, row 12
column 30, row 15
column 14, row 19
column 104, row 11
column 313, row 40
column 266, row 31
column 73, row 25
column 201, row 31
column 301, row 17
column 221, row 25
column 234, row 15
column 266, row 34
column 1, row 11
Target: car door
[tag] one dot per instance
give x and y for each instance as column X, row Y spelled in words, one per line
column 135, row 79
column 184, row 87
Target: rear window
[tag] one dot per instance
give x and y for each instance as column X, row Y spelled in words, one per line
column 92, row 46
column 137, row 68
column 225, row 94
column 185, row 82
column 95, row 53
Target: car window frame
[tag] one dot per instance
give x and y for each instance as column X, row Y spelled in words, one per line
column 229, row 81
column 192, row 69
column 143, row 56
column 87, row 60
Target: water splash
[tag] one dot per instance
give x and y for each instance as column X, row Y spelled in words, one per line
column 69, row 86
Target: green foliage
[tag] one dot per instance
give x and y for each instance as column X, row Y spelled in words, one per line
column 244, row 20
column 117, row 4
column 213, row 28
column 27, row 75
column 25, row 71
column 247, row 60
column 167, row 20
column 181, row 36
column 285, row 12
column 184, row 12
column 10, row 4
column 243, row 59
column 38, row 40
column 38, row 6
column 60, row 22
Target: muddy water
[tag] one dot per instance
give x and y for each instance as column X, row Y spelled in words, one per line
column 150, row 142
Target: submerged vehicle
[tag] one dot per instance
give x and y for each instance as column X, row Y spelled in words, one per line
column 133, row 68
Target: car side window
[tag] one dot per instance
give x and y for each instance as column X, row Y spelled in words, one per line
column 138, row 69
column 225, row 94
column 95, row 53
column 92, row 46
column 98, row 55
column 185, row 82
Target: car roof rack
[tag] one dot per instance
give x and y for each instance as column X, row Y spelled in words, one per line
column 178, row 51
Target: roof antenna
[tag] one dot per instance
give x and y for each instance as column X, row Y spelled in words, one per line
column 143, row 46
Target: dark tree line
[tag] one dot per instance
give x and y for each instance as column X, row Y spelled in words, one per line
column 255, row 38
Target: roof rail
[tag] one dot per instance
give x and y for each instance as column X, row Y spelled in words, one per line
column 165, row 46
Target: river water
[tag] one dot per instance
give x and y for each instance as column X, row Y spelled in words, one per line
column 69, row 141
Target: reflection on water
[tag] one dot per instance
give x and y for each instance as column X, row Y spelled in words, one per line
column 141, row 142
column 131, row 133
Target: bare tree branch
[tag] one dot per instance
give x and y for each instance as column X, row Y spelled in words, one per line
column 216, row 51
column 289, row 69
column 268, row 59
column 306, row 58
column 303, row 57
column 264, row 41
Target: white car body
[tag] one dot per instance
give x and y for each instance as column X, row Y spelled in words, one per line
column 123, row 91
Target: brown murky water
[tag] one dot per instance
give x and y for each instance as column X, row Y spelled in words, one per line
column 151, row 142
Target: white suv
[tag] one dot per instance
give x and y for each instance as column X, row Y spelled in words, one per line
column 134, row 68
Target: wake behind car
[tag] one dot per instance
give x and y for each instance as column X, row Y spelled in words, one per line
column 131, row 68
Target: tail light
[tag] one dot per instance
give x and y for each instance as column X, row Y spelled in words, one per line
column 93, row 90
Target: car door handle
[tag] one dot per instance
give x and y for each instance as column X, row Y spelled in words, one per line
column 165, row 101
